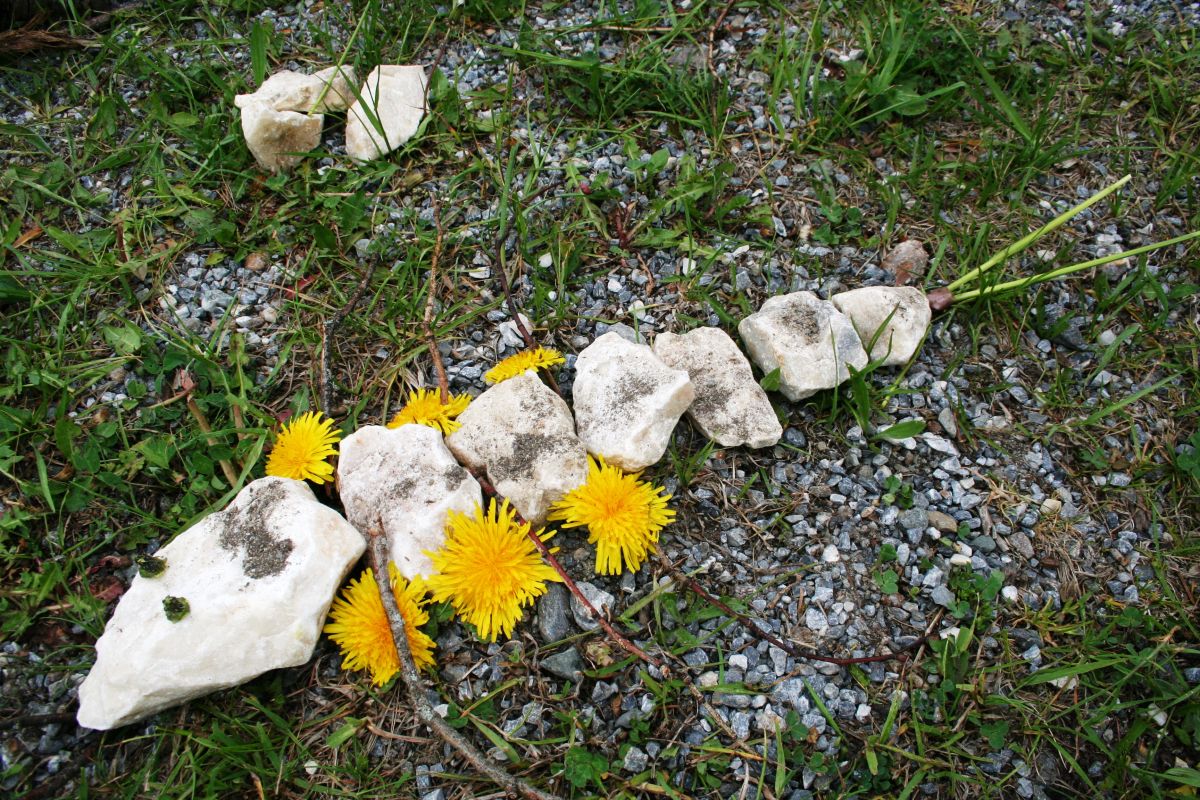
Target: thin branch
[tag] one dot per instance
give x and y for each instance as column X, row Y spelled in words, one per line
column 201, row 420
column 329, row 327
column 767, row 636
column 416, row 687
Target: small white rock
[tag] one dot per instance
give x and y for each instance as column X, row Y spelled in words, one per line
column 406, row 478
column 960, row 560
column 522, row 434
column 395, row 97
column 896, row 339
column 730, row 407
column 627, row 401
column 830, row 554
column 258, row 579
column 601, row 600
column 1010, row 593
column 306, row 94
column 807, row 339
column 275, row 138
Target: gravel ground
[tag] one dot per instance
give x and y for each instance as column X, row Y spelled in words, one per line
column 802, row 544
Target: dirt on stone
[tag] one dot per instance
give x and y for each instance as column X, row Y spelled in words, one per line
column 247, row 530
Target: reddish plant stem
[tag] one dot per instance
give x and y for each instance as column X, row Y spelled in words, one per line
column 573, row 587
column 767, row 636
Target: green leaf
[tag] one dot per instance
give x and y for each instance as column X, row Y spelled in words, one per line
column 888, row 581
column 345, row 733
column 65, row 430
column 995, row 733
column 887, row 552
column 872, row 761
column 1184, row 775
column 157, row 450
column 125, row 340
column 182, row 119
column 903, row 430
column 770, row 381
column 258, row 51
column 581, row 766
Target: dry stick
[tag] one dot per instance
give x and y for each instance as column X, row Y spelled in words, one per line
column 329, row 327
column 430, row 341
column 201, row 420
column 416, row 688
column 767, row 636
column 502, row 274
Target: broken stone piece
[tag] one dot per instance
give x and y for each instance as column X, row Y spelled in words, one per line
column 405, row 478
column 277, row 137
column 906, row 261
column 387, row 112
column 627, row 401
column 868, row 308
column 523, row 435
column 307, row 94
column 248, row 588
column 807, row 339
column 730, row 407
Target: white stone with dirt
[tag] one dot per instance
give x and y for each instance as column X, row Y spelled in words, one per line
column 807, row 339
column 387, row 112
column 900, row 316
column 627, row 401
column 257, row 579
column 406, row 479
column 730, row 407
column 278, row 138
column 523, row 436
column 330, row 89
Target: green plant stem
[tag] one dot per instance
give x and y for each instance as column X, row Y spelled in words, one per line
column 989, row 291
column 1025, row 242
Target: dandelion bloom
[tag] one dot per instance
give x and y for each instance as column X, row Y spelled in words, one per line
column 518, row 363
column 359, row 626
column 623, row 515
column 303, row 448
column 425, row 407
column 488, row 569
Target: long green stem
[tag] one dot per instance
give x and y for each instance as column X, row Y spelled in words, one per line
column 1021, row 283
column 1021, row 244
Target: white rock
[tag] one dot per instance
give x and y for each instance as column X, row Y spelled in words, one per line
column 258, row 579
column 522, row 434
column 510, row 333
column 406, row 478
column 307, row 94
column 899, row 337
column 394, row 96
column 274, row 136
column 807, row 339
column 601, row 600
column 627, row 401
column 730, row 407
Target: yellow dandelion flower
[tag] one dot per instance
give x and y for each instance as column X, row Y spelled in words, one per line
column 303, row 447
column 623, row 515
column 488, row 569
column 516, row 364
column 425, row 407
column 359, row 626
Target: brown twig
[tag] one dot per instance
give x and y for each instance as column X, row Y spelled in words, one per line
column 186, row 385
column 36, row 719
column 329, row 327
column 430, row 340
column 712, row 34
column 416, row 688
column 767, row 636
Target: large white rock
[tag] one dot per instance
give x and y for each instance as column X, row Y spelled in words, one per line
column 258, row 579
column 807, row 339
column 405, row 478
column 395, row 97
column 277, row 137
column 522, row 434
column 627, row 401
column 868, row 308
column 730, row 407
column 307, row 94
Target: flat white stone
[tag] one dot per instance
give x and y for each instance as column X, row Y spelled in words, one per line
column 405, row 478
column 730, row 407
column 807, row 339
column 275, row 137
column 395, row 97
column 295, row 91
column 899, row 337
column 258, row 578
column 523, row 435
column 627, row 401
